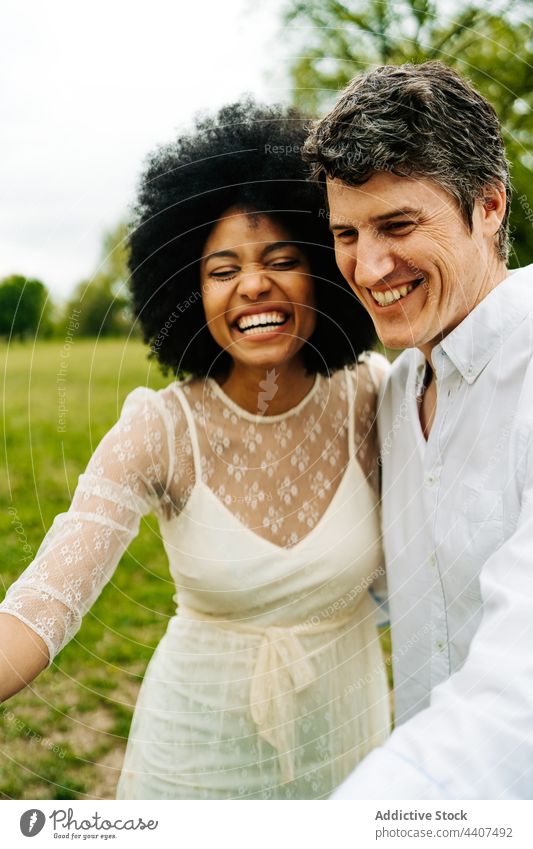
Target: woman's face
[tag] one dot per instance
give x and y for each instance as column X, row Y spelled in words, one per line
column 257, row 290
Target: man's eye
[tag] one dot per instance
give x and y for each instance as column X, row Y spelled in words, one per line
column 346, row 234
column 399, row 225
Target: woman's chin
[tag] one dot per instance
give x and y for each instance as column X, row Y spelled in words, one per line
column 267, row 356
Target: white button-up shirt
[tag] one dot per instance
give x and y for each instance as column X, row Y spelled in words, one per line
column 458, row 535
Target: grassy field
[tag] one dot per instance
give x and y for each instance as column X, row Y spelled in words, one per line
column 64, row 736
column 80, row 708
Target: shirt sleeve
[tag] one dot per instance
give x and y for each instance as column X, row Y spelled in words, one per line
column 125, row 479
column 475, row 740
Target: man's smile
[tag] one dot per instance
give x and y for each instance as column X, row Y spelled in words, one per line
column 386, row 297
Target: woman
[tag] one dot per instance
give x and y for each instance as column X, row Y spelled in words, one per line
column 261, row 467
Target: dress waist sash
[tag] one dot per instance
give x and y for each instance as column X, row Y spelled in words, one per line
column 282, row 669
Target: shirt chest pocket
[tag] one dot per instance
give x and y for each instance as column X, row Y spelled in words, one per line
column 481, row 512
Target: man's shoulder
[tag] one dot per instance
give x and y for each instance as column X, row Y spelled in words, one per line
column 515, row 292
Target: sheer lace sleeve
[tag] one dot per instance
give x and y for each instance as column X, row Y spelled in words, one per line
column 125, row 479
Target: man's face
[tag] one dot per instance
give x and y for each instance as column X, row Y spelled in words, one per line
column 405, row 250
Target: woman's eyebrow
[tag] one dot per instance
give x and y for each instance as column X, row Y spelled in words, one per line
column 231, row 254
column 274, row 246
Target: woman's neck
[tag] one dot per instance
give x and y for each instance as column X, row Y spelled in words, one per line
column 267, row 391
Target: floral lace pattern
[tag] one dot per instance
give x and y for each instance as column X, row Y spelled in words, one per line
column 278, row 474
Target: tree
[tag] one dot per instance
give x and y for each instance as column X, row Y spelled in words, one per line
column 101, row 305
column 493, row 48
column 25, row 308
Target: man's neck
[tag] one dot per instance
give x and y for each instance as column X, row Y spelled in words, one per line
column 492, row 278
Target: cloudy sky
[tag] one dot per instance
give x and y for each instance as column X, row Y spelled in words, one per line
column 87, row 89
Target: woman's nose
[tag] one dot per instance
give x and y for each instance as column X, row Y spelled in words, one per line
column 253, row 282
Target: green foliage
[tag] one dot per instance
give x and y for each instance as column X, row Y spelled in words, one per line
column 101, row 305
column 25, row 309
column 492, row 46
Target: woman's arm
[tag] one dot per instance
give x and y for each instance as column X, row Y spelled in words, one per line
column 369, row 378
column 23, row 654
column 126, row 478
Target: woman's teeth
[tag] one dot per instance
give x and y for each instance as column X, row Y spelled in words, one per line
column 391, row 295
column 261, row 322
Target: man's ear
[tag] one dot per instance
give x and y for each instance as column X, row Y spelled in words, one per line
column 492, row 206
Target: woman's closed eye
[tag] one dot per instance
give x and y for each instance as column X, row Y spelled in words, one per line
column 285, row 264
column 280, row 264
column 225, row 273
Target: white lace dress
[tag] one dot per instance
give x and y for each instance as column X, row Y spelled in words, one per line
column 269, row 681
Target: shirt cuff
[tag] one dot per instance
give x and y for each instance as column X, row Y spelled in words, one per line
column 385, row 775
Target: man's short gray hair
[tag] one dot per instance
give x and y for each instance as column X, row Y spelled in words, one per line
column 415, row 120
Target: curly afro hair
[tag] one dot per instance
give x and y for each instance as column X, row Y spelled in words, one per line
column 249, row 157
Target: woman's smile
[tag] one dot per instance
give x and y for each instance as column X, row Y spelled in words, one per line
column 265, row 321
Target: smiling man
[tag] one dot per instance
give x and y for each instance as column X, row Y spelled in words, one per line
column 418, row 194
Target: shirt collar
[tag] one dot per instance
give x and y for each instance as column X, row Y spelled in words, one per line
column 473, row 343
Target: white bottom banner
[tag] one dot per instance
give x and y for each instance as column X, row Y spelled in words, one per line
column 268, row 825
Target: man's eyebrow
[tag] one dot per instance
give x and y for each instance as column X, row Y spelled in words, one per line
column 397, row 213
column 341, row 226
column 385, row 216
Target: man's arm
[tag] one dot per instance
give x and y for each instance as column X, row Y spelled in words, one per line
column 475, row 740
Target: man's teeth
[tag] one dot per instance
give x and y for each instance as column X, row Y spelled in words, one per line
column 261, row 322
column 391, row 295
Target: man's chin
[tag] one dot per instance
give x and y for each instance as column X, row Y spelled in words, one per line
column 397, row 341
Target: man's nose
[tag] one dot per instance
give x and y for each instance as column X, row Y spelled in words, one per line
column 254, row 281
column 374, row 260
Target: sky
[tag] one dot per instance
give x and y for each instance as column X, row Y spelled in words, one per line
column 88, row 89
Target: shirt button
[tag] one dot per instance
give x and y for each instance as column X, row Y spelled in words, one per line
column 439, row 645
column 432, row 561
column 430, row 479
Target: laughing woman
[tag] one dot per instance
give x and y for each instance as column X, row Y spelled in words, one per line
column 260, row 462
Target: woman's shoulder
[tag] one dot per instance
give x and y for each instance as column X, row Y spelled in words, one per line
column 373, row 367
column 189, row 389
column 164, row 404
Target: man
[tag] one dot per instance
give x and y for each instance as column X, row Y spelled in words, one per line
column 418, row 195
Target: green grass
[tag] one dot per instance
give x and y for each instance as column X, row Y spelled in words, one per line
column 64, row 736
column 81, row 708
